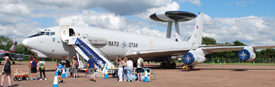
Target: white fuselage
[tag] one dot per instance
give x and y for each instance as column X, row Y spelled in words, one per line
column 119, row 43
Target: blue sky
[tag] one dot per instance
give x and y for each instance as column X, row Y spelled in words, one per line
column 249, row 21
column 232, row 8
column 215, row 8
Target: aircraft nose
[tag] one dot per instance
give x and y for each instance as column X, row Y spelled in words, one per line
column 25, row 42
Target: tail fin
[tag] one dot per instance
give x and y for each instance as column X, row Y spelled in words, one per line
column 197, row 33
column 13, row 47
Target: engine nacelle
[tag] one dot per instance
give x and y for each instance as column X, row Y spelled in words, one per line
column 194, row 57
column 247, row 54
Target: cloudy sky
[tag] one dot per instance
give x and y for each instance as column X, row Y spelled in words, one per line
column 249, row 21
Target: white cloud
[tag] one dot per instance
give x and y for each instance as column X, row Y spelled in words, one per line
column 196, row 2
column 241, row 3
column 14, row 9
column 107, row 20
column 268, row 42
column 250, row 30
column 19, row 31
column 170, row 6
column 42, row 7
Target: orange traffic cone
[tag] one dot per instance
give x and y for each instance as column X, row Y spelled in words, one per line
column 150, row 63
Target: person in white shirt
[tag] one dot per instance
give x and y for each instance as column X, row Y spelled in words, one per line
column 41, row 66
column 129, row 66
column 120, row 69
column 139, row 68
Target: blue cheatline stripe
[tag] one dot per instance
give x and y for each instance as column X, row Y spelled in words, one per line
column 88, row 51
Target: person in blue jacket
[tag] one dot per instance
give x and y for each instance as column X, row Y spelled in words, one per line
column 59, row 72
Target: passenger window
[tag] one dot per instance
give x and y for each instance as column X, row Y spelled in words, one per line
column 47, row 33
column 52, row 33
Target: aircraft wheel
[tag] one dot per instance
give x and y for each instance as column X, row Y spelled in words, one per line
column 13, row 62
column 191, row 66
column 162, row 65
column 165, row 66
column 173, row 65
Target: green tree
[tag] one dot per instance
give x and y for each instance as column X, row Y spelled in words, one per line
column 21, row 49
column 5, row 43
column 268, row 53
column 238, row 43
column 208, row 41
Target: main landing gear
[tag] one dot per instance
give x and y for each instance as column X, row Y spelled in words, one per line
column 168, row 65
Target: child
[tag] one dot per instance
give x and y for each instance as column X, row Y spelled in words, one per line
column 60, row 69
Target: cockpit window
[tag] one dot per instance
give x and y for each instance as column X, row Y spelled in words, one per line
column 52, row 33
column 47, row 33
column 38, row 34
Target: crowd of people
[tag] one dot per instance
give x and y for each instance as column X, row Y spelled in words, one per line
column 124, row 65
column 125, row 68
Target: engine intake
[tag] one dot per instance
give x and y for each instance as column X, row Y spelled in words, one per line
column 194, row 57
column 247, row 54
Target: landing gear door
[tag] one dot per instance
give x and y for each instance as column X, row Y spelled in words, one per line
column 64, row 30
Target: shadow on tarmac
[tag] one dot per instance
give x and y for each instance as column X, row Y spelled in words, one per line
column 15, row 85
column 179, row 67
column 226, row 69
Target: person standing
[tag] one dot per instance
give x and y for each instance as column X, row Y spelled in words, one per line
column 59, row 72
column 41, row 66
column 91, row 68
column 33, row 64
column 120, row 69
column 116, row 62
column 75, row 66
column 129, row 65
column 6, row 71
column 124, row 74
column 68, row 66
column 139, row 67
column 116, row 66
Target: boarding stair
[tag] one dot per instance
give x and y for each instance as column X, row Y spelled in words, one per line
column 85, row 49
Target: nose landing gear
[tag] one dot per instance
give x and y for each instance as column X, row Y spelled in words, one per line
column 188, row 67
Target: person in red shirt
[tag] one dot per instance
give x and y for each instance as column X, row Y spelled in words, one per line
column 33, row 64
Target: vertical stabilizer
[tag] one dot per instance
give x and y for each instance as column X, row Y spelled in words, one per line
column 196, row 37
column 13, row 47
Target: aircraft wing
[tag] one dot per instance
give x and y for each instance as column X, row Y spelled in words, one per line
column 173, row 52
column 156, row 52
column 230, row 48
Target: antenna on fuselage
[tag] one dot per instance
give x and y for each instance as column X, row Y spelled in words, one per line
column 173, row 16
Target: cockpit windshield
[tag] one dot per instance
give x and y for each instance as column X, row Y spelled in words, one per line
column 38, row 34
column 47, row 33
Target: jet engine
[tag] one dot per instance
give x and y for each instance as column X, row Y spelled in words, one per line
column 194, row 57
column 247, row 54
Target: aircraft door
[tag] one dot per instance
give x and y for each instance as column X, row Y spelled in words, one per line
column 64, row 33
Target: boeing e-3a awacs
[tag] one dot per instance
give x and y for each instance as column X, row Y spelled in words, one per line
column 60, row 41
